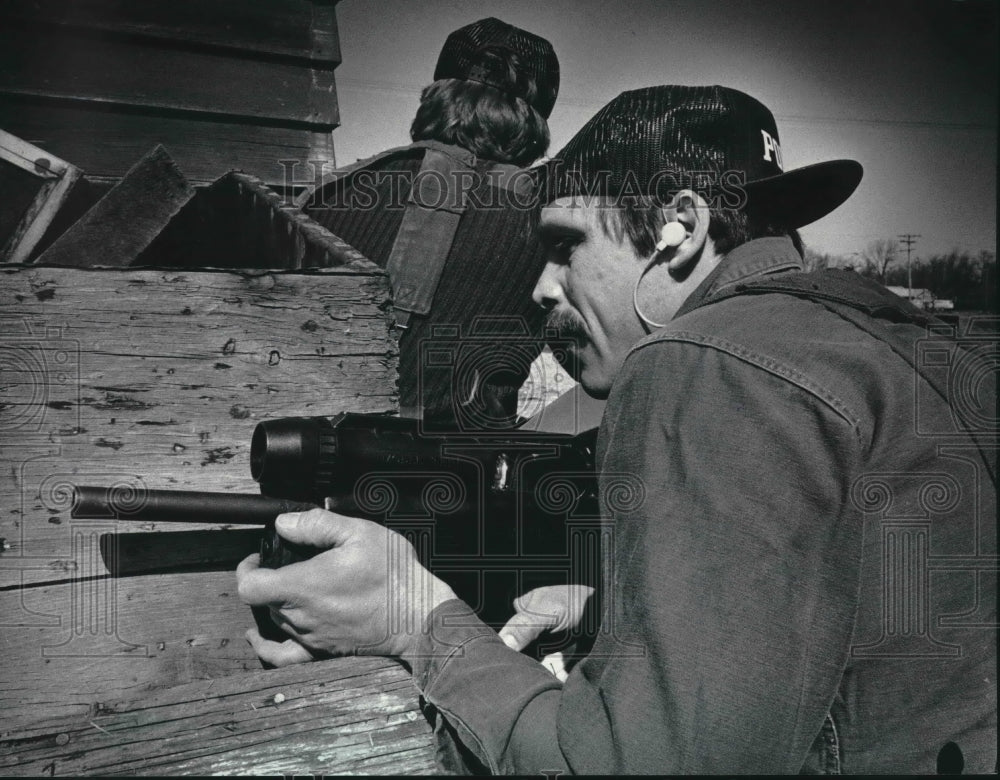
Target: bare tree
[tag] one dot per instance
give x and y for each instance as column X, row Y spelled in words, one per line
column 814, row 261
column 878, row 255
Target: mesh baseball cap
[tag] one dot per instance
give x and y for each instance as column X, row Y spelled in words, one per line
column 462, row 58
column 718, row 141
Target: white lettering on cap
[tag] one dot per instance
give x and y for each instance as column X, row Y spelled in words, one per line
column 770, row 145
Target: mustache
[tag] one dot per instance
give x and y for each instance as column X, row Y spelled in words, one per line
column 566, row 323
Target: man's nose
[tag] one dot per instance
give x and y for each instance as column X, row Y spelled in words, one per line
column 548, row 289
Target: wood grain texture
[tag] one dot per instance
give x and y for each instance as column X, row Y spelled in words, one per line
column 158, row 378
column 341, row 716
column 126, row 220
column 105, row 141
column 68, row 647
column 301, row 29
column 65, row 67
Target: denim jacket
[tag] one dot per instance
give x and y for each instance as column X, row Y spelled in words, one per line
column 802, row 573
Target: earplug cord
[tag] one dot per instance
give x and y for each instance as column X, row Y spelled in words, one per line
column 635, row 294
column 671, row 234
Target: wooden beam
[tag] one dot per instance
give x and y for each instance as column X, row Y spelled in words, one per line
column 127, row 219
column 104, row 141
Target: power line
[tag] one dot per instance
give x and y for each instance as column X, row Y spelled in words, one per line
column 908, row 240
column 914, row 123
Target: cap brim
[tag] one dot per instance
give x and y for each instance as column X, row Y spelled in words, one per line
column 804, row 195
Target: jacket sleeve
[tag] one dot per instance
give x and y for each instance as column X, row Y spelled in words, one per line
column 731, row 597
column 492, row 709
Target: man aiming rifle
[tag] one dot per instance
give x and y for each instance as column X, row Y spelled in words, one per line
column 785, row 593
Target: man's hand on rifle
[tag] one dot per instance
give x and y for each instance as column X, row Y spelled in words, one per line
column 365, row 595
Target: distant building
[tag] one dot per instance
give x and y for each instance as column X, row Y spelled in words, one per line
column 923, row 298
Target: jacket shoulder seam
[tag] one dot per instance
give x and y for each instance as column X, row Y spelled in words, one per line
column 766, row 363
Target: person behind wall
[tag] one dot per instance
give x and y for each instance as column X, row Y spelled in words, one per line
column 806, row 580
column 448, row 217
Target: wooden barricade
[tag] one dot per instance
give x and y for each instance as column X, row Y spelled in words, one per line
column 155, row 378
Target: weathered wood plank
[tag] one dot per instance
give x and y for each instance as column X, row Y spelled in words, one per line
column 290, row 28
column 355, row 715
column 67, row 647
column 85, row 193
column 126, row 220
column 158, row 378
column 65, row 67
column 106, row 142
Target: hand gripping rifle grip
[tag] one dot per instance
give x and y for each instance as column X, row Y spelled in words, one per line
column 276, row 552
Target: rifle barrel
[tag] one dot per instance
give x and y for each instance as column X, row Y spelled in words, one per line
column 180, row 506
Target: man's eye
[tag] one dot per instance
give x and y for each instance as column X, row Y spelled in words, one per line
column 562, row 248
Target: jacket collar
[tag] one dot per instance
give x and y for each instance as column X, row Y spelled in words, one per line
column 759, row 257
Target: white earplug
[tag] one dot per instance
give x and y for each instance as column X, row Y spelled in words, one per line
column 672, row 234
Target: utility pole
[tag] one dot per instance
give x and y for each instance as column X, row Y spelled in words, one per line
column 908, row 240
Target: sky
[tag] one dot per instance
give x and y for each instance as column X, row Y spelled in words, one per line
column 909, row 89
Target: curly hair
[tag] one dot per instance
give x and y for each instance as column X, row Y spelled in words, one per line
column 494, row 123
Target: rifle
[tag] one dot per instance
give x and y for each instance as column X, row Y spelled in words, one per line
column 476, row 505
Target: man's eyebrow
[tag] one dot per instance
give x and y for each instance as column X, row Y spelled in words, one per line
column 551, row 232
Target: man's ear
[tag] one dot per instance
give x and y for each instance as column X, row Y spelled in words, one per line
column 689, row 210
